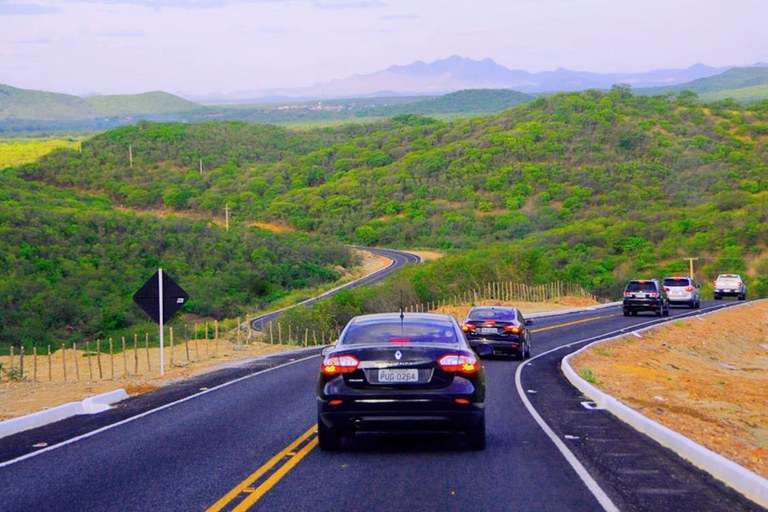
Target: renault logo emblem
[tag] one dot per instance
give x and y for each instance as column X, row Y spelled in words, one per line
column 398, row 355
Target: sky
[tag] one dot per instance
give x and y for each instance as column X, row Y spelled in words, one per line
column 204, row 47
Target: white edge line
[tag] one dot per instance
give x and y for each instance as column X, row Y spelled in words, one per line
column 145, row 413
column 746, row 482
column 590, row 482
column 580, row 470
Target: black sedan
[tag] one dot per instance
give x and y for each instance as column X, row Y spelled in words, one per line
column 396, row 372
column 503, row 329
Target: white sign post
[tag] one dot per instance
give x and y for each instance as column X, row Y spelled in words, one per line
column 160, row 300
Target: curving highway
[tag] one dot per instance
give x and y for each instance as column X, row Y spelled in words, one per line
column 243, row 439
column 398, row 260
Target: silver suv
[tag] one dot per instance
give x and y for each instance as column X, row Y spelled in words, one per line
column 682, row 290
column 730, row 285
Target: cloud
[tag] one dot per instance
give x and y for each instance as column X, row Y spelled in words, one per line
column 25, row 9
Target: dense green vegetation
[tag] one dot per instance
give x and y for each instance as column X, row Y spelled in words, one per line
column 69, row 264
column 592, row 188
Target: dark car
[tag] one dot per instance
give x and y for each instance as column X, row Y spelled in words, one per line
column 396, row 372
column 503, row 329
column 645, row 295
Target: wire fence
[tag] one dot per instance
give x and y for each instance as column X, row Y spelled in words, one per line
column 139, row 355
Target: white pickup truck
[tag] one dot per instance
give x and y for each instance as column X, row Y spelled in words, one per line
column 730, row 285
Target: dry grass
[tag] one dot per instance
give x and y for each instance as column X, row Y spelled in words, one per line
column 706, row 378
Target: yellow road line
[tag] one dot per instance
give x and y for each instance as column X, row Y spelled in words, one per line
column 572, row 323
column 254, row 494
column 289, row 457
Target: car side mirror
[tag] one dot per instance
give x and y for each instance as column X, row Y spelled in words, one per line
column 327, row 349
column 529, row 322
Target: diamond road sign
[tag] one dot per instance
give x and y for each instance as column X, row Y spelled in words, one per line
column 148, row 297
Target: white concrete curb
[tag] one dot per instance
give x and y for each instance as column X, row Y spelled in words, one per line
column 92, row 405
column 750, row 484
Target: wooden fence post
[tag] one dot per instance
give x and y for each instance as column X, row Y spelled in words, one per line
column 74, row 357
column 64, row 361
column 170, row 339
column 50, row 365
column 34, row 358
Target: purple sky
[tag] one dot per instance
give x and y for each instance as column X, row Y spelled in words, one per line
column 201, row 47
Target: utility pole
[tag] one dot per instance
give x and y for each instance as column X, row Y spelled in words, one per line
column 690, row 264
column 130, row 155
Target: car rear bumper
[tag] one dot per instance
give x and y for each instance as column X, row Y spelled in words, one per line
column 729, row 293
column 397, row 416
column 642, row 305
column 499, row 347
column 453, row 408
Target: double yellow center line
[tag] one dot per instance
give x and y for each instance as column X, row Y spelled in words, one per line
column 250, row 490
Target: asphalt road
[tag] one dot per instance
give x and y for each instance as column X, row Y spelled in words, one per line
column 398, row 260
column 250, row 444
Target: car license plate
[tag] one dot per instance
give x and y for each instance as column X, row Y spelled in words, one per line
column 487, row 330
column 394, row 376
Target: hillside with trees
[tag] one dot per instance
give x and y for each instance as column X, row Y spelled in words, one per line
column 70, row 263
column 591, row 188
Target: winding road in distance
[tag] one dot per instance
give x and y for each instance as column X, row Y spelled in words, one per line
column 244, row 438
column 398, row 260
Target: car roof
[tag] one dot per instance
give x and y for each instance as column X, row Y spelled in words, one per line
column 374, row 317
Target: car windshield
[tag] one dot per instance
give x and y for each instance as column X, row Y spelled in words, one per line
column 502, row 315
column 395, row 331
column 676, row 281
column 641, row 286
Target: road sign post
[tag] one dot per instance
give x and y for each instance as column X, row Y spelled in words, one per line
column 160, row 298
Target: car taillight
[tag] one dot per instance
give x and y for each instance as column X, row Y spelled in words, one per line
column 514, row 329
column 335, row 365
column 689, row 289
column 627, row 294
column 459, row 363
column 654, row 294
column 666, row 289
column 738, row 285
column 468, row 327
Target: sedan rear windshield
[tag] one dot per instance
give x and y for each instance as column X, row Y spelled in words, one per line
column 395, row 331
column 681, row 281
column 637, row 286
column 502, row 315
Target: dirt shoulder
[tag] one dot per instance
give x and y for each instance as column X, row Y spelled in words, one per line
column 704, row 377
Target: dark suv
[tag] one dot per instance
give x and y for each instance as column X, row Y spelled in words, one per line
column 645, row 295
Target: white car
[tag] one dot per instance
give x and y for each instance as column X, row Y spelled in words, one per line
column 730, row 285
column 682, row 290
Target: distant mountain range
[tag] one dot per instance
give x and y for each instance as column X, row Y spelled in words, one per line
column 457, row 73
column 449, row 87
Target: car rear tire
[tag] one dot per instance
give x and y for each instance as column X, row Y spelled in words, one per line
column 717, row 297
column 328, row 439
column 476, row 435
column 527, row 354
column 626, row 313
column 742, row 297
column 665, row 312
